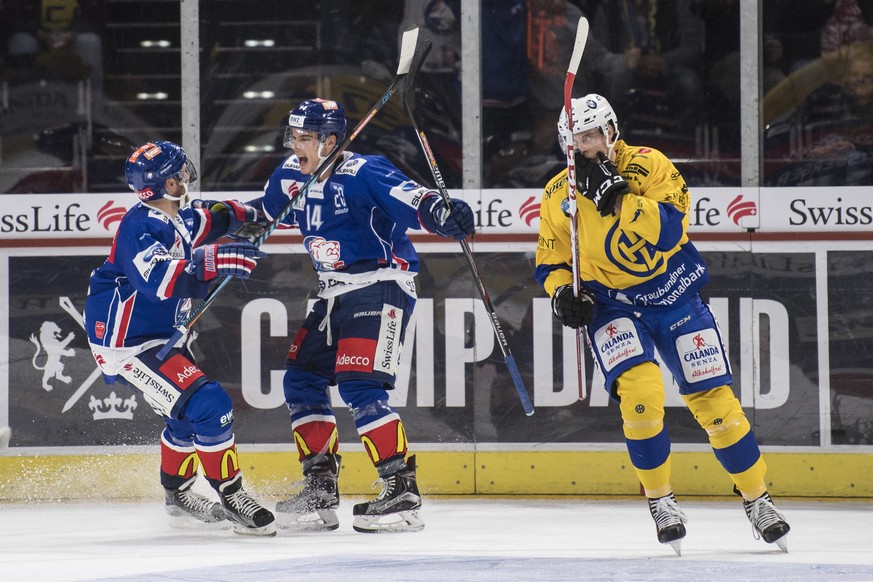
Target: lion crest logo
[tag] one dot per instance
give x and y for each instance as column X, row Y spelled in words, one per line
column 55, row 348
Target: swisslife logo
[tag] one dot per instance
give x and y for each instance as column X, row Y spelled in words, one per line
column 504, row 211
column 712, row 210
column 529, row 211
column 61, row 216
column 740, row 208
column 110, row 214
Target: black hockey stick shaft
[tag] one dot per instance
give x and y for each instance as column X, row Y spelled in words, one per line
column 569, row 80
column 408, row 54
column 409, row 100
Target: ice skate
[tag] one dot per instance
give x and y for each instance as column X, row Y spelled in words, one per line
column 396, row 507
column 767, row 522
column 670, row 521
column 313, row 508
column 247, row 515
column 190, row 510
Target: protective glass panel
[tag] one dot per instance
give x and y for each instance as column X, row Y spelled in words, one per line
column 82, row 83
column 670, row 70
column 817, row 114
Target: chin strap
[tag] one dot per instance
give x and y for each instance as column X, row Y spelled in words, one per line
column 322, row 158
column 184, row 199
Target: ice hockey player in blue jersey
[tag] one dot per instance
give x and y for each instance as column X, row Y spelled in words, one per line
column 354, row 220
column 163, row 255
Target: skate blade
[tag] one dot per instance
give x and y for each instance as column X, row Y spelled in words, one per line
column 321, row 520
column 677, row 547
column 402, row 521
column 186, row 522
column 782, row 543
column 268, row 530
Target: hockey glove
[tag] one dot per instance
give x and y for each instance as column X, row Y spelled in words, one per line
column 436, row 217
column 570, row 310
column 231, row 259
column 246, row 220
column 603, row 184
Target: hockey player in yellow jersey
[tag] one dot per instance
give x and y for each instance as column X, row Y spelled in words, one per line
column 640, row 279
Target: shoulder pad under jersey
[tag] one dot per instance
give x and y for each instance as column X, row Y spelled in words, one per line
column 291, row 163
column 351, row 166
column 158, row 215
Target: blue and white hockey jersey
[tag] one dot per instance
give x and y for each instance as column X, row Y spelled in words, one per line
column 353, row 223
column 146, row 283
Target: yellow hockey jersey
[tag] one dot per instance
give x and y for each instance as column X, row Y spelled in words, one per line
column 641, row 256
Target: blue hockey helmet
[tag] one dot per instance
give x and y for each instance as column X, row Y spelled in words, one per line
column 150, row 166
column 320, row 116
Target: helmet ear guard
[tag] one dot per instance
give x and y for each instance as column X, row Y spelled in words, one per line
column 150, row 166
column 589, row 112
column 320, row 116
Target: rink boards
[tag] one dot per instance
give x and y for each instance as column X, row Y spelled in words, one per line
column 795, row 314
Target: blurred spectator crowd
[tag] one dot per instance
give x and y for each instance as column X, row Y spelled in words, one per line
column 83, row 80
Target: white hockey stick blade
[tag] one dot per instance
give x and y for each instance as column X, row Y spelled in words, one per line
column 407, row 49
column 578, row 45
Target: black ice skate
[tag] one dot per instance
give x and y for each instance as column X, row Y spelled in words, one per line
column 670, row 521
column 190, row 510
column 248, row 516
column 314, row 508
column 767, row 522
column 396, row 507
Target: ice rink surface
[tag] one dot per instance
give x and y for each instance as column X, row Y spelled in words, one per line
column 467, row 538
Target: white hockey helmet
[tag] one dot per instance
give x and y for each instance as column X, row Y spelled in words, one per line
column 589, row 112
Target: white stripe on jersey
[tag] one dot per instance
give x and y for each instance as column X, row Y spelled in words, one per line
column 219, row 447
column 378, row 422
column 313, row 418
column 168, row 281
column 205, row 226
column 121, row 321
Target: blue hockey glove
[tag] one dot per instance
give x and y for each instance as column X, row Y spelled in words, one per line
column 246, row 220
column 436, row 217
column 231, row 259
column 570, row 310
column 603, row 185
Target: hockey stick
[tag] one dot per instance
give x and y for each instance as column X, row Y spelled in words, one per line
column 408, row 54
column 409, row 100
column 575, row 58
